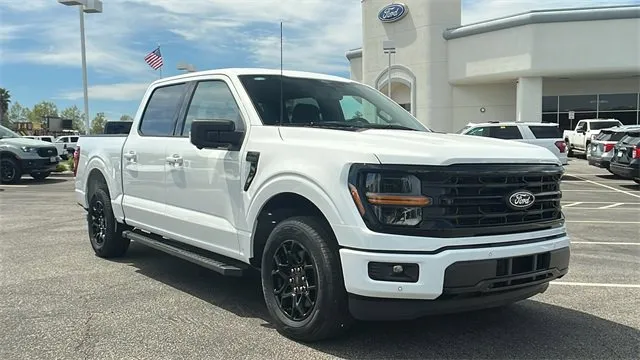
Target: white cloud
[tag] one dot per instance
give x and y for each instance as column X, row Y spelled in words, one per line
column 111, row 92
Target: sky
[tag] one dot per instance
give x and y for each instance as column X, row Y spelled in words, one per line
column 40, row 42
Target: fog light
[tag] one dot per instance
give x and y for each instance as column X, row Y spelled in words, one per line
column 393, row 272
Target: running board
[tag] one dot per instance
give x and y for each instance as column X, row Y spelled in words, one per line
column 219, row 266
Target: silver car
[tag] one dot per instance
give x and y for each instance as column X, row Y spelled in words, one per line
column 600, row 150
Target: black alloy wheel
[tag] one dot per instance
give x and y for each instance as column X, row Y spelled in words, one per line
column 9, row 171
column 295, row 279
column 98, row 223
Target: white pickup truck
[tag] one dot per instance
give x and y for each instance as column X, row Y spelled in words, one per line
column 349, row 207
column 585, row 131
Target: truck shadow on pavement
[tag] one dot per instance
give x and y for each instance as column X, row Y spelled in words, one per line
column 526, row 330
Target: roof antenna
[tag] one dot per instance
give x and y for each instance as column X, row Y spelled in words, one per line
column 281, row 73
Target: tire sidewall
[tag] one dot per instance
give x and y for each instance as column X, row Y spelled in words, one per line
column 110, row 222
column 16, row 170
column 288, row 230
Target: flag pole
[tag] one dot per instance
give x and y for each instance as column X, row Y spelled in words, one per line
column 162, row 64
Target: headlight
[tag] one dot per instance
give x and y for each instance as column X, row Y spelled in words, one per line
column 395, row 199
column 28, row 149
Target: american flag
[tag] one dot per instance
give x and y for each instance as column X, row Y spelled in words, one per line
column 154, row 59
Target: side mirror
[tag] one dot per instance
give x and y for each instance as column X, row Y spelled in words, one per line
column 215, row 134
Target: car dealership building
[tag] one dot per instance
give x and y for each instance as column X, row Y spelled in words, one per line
column 551, row 65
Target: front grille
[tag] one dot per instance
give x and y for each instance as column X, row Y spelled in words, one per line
column 47, row 151
column 472, row 199
column 477, row 197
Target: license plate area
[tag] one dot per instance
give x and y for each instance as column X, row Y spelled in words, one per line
column 53, row 159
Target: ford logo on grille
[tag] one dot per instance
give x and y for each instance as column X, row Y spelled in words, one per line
column 521, row 200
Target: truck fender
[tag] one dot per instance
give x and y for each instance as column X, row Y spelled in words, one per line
column 96, row 163
column 296, row 184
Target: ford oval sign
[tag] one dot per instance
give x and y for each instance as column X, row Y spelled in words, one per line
column 521, row 200
column 392, row 12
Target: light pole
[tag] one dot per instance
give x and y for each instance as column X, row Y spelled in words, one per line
column 389, row 47
column 89, row 7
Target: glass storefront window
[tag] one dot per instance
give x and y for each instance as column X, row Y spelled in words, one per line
column 578, row 103
column 610, row 102
column 549, row 104
column 625, row 117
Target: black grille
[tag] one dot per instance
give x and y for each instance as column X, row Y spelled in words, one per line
column 472, row 199
column 469, row 197
column 47, row 151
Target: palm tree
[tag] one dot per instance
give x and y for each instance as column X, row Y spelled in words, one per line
column 5, row 99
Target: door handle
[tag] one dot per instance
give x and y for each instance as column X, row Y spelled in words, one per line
column 131, row 156
column 175, row 160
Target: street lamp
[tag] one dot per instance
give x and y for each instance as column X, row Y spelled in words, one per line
column 389, row 47
column 89, row 7
column 186, row 67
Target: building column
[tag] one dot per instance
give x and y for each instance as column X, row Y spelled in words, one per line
column 529, row 99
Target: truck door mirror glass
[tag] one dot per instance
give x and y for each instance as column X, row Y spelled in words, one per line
column 215, row 134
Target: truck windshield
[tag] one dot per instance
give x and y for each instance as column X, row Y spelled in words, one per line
column 325, row 103
column 6, row 133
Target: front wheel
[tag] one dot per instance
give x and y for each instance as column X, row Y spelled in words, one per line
column 302, row 281
column 9, row 171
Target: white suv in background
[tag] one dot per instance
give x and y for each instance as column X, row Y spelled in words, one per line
column 547, row 135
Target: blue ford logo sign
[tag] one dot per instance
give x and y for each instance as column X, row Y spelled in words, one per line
column 392, row 12
column 521, row 200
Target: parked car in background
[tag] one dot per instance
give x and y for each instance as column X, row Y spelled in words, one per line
column 19, row 155
column 585, row 131
column 626, row 157
column 117, row 127
column 600, row 152
column 547, row 135
column 66, row 145
column 47, row 138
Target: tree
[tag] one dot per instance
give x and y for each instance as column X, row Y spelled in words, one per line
column 5, row 99
column 74, row 114
column 97, row 125
column 41, row 110
column 126, row 117
column 18, row 113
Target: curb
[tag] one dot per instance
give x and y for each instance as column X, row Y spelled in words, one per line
column 63, row 173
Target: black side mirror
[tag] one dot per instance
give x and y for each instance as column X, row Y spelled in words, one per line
column 215, row 134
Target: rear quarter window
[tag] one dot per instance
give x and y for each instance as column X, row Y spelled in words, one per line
column 546, row 132
column 505, row 132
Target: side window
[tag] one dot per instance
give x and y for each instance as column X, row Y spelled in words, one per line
column 506, row 132
column 211, row 100
column 479, row 131
column 61, row 140
column 162, row 108
column 74, row 139
column 581, row 126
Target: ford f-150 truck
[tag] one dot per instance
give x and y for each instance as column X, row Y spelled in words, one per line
column 348, row 206
column 585, row 131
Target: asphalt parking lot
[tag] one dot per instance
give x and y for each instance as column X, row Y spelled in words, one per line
column 57, row 300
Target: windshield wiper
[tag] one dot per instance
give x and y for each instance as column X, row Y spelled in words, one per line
column 346, row 125
column 387, row 126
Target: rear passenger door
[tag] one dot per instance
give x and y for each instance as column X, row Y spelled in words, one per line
column 143, row 159
column 204, row 187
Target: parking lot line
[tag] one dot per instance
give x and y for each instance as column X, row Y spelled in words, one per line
column 594, row 284
column 602, row 222
column 588, row 190
column 610, row 206
column 573, row 204
column 608, row 187
column 14, row 186
column 605, row 243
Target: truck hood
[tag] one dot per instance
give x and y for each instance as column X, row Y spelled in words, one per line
column 421, row 148
column 25, row 142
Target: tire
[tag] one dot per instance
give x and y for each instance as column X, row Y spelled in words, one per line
column 637, row 181
column 41, row 176
column 105, row 233
column 569, row 149
column 329, row 316
column 10, row 172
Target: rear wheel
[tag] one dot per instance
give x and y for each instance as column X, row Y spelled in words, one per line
column 10, row 172
column 302, row 281
column 569, row 148
column 105, row 233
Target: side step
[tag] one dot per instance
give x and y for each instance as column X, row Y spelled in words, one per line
column 219, row 266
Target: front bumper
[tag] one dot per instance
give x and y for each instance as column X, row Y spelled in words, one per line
column 453, row 280
column 38, row 165
column 627, row 171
